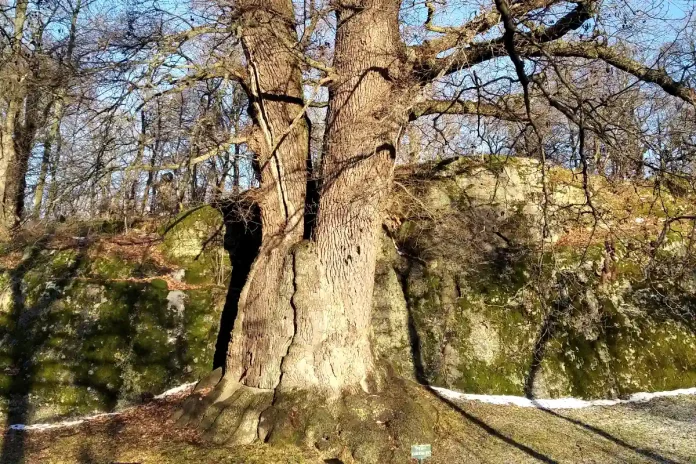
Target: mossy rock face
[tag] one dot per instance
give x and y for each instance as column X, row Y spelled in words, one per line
column 490, row 311
column 390, row 323
column 186, row 234
column 84, row 330
column 457, row 303
column 194, row 241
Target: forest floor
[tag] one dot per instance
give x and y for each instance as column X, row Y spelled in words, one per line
column 662, row 430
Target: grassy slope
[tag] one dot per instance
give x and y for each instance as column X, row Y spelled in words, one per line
column 659, row 431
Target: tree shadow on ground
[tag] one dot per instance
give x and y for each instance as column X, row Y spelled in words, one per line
column 421, row 377
column 645, row 453
column 107, row 449
column 492, row 431
column 548, row 331
column 665, row 408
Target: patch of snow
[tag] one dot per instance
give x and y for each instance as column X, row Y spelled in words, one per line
column 558, row 403
column 175, row 390
column 60, row 425
column 76, row 422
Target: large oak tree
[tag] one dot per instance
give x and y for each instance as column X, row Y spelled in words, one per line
column 304, row 312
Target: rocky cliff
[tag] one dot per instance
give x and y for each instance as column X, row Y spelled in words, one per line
column 93, row 317
column 492, row 279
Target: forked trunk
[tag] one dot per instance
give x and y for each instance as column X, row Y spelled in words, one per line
column 302, row 326
column 303, row 320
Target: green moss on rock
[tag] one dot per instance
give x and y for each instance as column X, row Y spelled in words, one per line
column 559, row 322
column 81, row 335
column 193, row 240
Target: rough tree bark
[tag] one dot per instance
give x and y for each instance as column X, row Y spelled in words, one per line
column 331, row 349
column 302, row 326
column 265, row 322
column 305, row 310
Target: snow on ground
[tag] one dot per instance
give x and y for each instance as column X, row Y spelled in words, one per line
column 175, row 390
column 76, row 422
column 557, row 403
column 64, row 424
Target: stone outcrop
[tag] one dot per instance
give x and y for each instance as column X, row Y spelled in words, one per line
column 484, row 284
column 494, row 308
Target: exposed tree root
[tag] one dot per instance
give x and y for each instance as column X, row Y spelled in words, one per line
column 229, row 413
column 357, row 427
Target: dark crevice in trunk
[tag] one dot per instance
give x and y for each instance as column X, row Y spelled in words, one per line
column 311, row 207
column 293, row 305
column 312, row 196
column 242, row 242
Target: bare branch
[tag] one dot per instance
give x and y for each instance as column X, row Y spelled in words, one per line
column 619, row 60
column 504, row 111
column 463, row 58
column 191, row 162
column 462, row 35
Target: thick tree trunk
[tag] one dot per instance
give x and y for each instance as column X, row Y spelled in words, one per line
column 17, row 175
column 8, row 148
column 304, row 313
column 9, row 143
column 302, row 327
column 331, row 349
column 265, row 322
column 16, row 151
